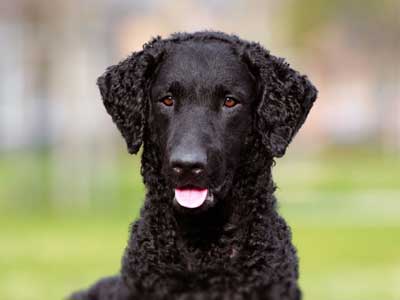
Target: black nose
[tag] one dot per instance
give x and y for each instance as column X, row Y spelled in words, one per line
column 188, row 163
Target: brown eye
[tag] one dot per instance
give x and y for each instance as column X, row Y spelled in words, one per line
column 167, row 101
column 230, row 102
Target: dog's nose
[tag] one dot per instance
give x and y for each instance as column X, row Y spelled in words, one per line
column 190, row 163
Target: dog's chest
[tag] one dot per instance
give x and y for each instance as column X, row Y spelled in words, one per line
column 196, row 258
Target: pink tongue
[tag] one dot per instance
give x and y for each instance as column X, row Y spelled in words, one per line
column 190, row 198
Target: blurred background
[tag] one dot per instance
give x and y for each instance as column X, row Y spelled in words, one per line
column 69, row 189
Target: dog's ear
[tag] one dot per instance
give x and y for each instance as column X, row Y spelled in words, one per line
column 123, row 88
column 284, row 98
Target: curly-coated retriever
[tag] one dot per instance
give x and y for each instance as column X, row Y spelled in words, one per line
column 212, row 112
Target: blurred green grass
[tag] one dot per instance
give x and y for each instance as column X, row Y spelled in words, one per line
column 343, row 208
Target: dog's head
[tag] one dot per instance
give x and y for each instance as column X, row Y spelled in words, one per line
column 206, row 98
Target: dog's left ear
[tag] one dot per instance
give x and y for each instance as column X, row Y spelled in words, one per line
column 123, row 88
column 284, row 98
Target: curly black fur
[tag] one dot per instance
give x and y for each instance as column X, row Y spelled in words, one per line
column 245, row 250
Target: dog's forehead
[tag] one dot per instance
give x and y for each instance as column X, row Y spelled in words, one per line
column 203, row 62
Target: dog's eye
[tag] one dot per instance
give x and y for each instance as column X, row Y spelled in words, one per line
column 167, row 101
column 230, row 102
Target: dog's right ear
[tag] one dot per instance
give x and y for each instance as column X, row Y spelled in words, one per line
column 123, row 89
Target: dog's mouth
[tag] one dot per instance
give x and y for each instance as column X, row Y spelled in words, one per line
column 193, row 197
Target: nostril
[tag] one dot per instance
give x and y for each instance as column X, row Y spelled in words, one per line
column 177, row 170
column 197, row 171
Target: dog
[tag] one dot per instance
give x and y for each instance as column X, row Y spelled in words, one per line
column 212, row 112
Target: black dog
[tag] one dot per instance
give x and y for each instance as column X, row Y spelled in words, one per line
column 213, row 111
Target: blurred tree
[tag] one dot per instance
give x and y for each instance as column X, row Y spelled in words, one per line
column 379, row 18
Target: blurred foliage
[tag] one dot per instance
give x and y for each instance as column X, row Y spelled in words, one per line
column 310, row 16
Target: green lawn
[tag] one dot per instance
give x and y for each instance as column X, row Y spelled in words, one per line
column 343, row 208
column 46, row 258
